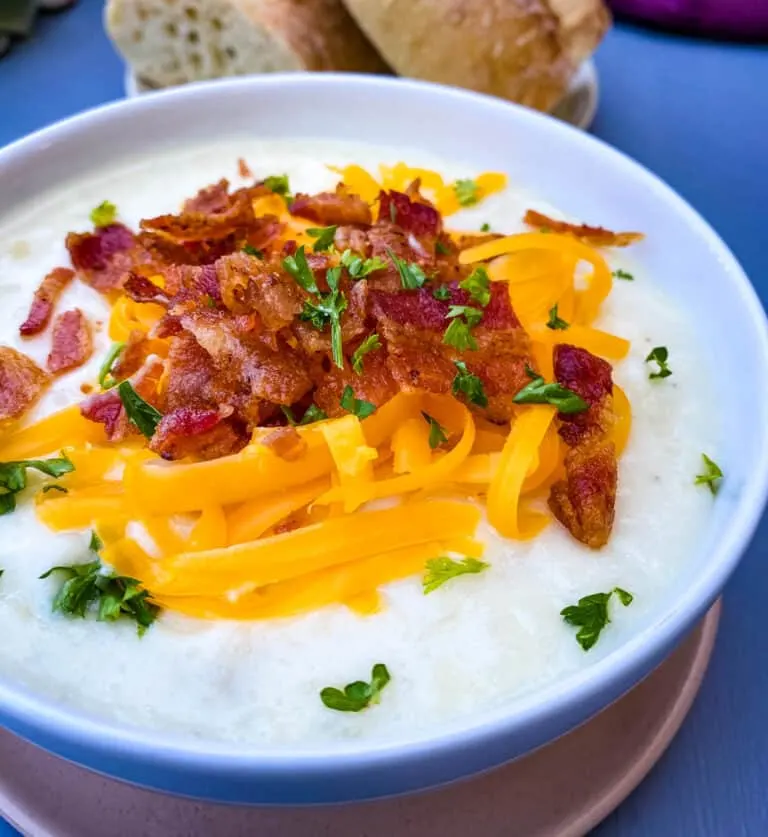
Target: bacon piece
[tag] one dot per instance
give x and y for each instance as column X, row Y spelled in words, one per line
column 21, row 383
column 243, row 169
column 327, row 208
column 249, row 284
column 375, row 385
column 104, row 257
column 195, row 226
column 137, row 349
column 211, row 199
column 107, row 408
column 413, row 324
column 352, row 322
column 419, row 218
column 140, row 289
column 584, row 502
column 201, row 433
column 596, row 236
column 71, row 344
column 45, row 298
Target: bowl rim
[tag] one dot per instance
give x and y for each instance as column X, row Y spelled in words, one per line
column 642, row 650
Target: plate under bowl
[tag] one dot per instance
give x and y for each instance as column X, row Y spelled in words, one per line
column 568, row 168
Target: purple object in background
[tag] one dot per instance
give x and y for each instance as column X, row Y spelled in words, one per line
column 731, row 18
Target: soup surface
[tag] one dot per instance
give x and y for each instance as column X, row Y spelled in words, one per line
column 488, row 638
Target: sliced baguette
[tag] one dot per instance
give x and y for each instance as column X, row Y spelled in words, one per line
column 171, row 42
column 523, row 50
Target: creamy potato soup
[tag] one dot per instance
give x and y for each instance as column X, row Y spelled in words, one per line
column 487, row 634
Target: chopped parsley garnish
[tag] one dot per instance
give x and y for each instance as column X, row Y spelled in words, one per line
column 106, row 381
column 468, row 384
column 437, row 434
column 590, row 615
column 358, row 695
column 278, row 183
column 323, row 237
column 486, row 227
column 478, row 285
column 540, row 392
column 440, row 570
column 441, row 249
column 712, row 475
column 95, row 544
column 90, row 587
column 370, row 344
column 312, row 414
column 554, row 322
column 467, row 192
column 297, row 266
column 143, row 415
column 252, row 251
column 356, row 406
column 359, row 268
column 659, row 356
column 458, row 333
column 442, row 292
column 13, row 477
column 623, row 274
column 327, row 309
column 411, row 275
column 104, row 214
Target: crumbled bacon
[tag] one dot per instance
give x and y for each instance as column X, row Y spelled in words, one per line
column 214, row 198
column 104, row 257
column 200, row 433
column 22, row 382
column 71, row 344
column 596, row 236
column 140, row 289
column 327, row 208
column 133, row 356
column 419, row 218
column 44, row 300
column 584, row 502
column 243, row 169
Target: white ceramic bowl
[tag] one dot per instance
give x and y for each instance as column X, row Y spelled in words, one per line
column 567, row 168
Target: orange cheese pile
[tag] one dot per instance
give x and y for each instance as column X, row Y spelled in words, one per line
column 253, row 536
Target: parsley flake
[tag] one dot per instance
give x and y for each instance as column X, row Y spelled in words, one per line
column 486, row 227
column 327, row 309
column 358, row 695
column 356, row 406
column 442, row 292
column 458, row 333
column 590, row 615
column 13, row 477
column 141, row 414
column 437, row 434
column 252, row 251
column 554, row 322
column 440, row 570
column 323, row 237
column 659, row 356
column 467, row 192
column 540, row 392
column 104, row 214
column 478, row 285
column 106, row 380
column 312, row 414
column 358, row 267
column 411, row 275
column 278, row 183
column 441, row 249
column 370, row 344
column 468, row 384
column 302, row 273
column 623, row 274
column 712, row 475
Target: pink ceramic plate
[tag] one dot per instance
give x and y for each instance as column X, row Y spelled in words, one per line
column 546, row 794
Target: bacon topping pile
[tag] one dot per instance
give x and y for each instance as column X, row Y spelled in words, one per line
column 584, row 502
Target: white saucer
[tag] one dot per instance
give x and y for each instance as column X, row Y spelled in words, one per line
column 546, row 794
column 578, row 107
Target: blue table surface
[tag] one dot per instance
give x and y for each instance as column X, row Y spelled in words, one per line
column 696, row 113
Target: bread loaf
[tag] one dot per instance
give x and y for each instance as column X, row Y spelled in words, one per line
column 523, row 50
column 175, row 41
